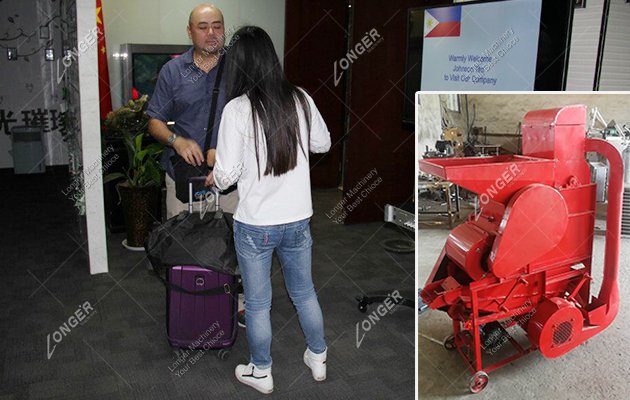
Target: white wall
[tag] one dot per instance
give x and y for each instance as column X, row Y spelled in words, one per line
column 616, row 61
column 501, row 113
column 28, row 85
column 428, row 122
column 584, row 43
column 165, row 21
column 91, row 141
column 615, row 72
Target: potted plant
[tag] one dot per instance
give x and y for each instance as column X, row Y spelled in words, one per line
column 143, row 178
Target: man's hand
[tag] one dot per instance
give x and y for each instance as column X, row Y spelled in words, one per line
column 210, row 179
column 189, row 150
column 211, row 157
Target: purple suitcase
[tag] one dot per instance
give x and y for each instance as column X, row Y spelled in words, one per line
column 197, row 321
column 201, row 321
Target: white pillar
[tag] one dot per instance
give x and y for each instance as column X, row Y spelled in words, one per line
column 91, row 137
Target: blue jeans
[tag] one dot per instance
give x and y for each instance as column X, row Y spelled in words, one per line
column 254, row 248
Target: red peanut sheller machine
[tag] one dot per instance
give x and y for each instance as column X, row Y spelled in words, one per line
column 525, row 258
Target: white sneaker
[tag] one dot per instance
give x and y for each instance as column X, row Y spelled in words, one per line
column 317, row 364
column 259, row 379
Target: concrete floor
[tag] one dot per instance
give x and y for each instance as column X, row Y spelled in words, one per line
column 597, row 369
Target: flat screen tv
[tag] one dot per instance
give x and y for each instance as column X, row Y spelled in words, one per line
column 141, row 65
column 488, row 45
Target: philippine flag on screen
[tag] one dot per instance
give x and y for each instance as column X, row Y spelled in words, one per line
column 442, row 22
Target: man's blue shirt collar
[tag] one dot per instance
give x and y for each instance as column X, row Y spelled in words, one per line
column 187, row 57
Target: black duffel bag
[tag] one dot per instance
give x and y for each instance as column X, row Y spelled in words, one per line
column 187, row 239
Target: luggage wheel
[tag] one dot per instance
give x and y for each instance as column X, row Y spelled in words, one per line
column 178, row 352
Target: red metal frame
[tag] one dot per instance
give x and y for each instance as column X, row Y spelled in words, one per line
column 527, row 255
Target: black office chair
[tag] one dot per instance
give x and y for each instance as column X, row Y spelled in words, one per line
column 405, row 219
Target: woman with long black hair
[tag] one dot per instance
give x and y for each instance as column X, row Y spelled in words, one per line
column 267, row 129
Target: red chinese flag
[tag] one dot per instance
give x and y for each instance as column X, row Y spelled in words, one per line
column 103, row 72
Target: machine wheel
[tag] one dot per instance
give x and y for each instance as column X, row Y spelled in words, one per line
column 478, row 382
column 223, row 354
column 449, row 342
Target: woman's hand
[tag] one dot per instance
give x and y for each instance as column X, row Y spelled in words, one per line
column 210, row 179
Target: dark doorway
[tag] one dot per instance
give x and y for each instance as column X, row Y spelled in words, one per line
column 361, row 46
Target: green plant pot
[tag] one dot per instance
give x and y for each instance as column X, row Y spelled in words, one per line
column 140, row 207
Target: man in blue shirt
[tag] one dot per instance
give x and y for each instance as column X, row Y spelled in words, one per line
column 183, row 94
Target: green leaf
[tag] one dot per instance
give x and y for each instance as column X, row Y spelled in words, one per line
column 144, row 167
column 113, row 176
column 154, row 148
column 138, row 140
column 141, row 155
column 154, row 173
column 130, row 148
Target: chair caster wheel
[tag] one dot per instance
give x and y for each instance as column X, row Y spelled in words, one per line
column 223, row 354
column 478, row 382
column 362, row 306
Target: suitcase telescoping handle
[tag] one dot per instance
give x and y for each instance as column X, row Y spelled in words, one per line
column 196, row 179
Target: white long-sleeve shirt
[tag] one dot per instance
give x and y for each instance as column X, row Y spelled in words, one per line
column 270, row 200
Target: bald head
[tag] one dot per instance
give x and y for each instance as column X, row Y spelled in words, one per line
column 205, row 28
column 201, row 9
